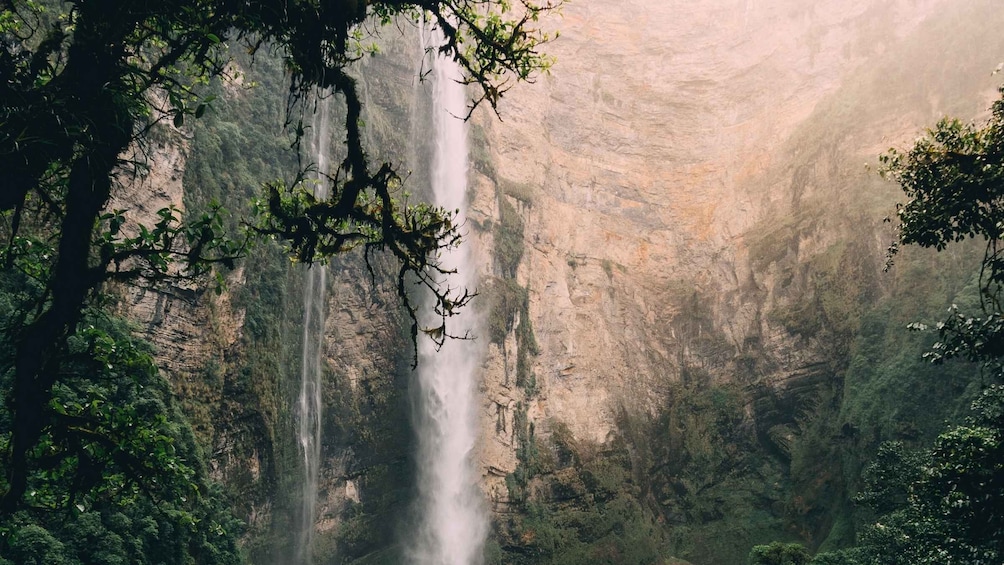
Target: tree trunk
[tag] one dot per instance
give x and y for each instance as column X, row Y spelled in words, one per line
column 93, row 86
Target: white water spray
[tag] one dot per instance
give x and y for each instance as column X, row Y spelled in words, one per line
column 453, row 523
column 309, row 401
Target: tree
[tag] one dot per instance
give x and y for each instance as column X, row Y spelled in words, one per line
column 778, row 553
column 82, row 81
column 954, row 179
column 116, row 478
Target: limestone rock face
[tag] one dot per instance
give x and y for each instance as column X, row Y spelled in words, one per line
column 653, row 163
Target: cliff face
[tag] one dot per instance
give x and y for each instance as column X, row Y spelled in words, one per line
column 665, row 142
column 197, row 337
column 696, row 209
column 680, row 208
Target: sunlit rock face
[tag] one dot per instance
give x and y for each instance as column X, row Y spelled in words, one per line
column 679, row 169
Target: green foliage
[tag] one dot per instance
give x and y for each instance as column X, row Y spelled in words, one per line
column 524, row 193
column 937, row 505
column 527, row 457
column 507, row 301
column 663, row 487
column 116, row 476
column 240, row 144
column 880, row 390
column 587, row 511
column 889, row 477
column 34, row 545
column 85, row 83
column 526, row 347
column 875, row 385
column 510, row 311
column 707, row 474
column 890, row 392
column 777, row 553
column 940, row 505
column 508, row 234
column 93, row 453
column 952, row 178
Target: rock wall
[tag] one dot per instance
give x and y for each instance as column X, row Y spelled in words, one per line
column 197, row 338
column 682, row 175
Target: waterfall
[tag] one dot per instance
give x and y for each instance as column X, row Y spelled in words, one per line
column 453, row 523
column 309, row 400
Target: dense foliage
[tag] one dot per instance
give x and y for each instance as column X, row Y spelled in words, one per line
column 954, row 178
column 778, row 553
column 118, row 477
column 586, row 507
column 942, row 505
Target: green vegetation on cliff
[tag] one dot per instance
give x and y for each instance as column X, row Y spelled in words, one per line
column 119, row 477
column 926, row 504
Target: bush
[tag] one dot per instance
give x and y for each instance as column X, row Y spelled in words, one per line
column 779, row 553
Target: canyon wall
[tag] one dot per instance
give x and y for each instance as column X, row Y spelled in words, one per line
column 665, row 141
column 682, row 244
column 699, row 205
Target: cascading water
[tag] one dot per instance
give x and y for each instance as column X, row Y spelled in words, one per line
column 309, row 401
column 453, row 522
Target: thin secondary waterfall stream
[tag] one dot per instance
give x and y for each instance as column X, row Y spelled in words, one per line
column 309, row 400
column 453, row 522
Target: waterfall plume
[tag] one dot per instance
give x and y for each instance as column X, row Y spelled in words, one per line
column 453, row 521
